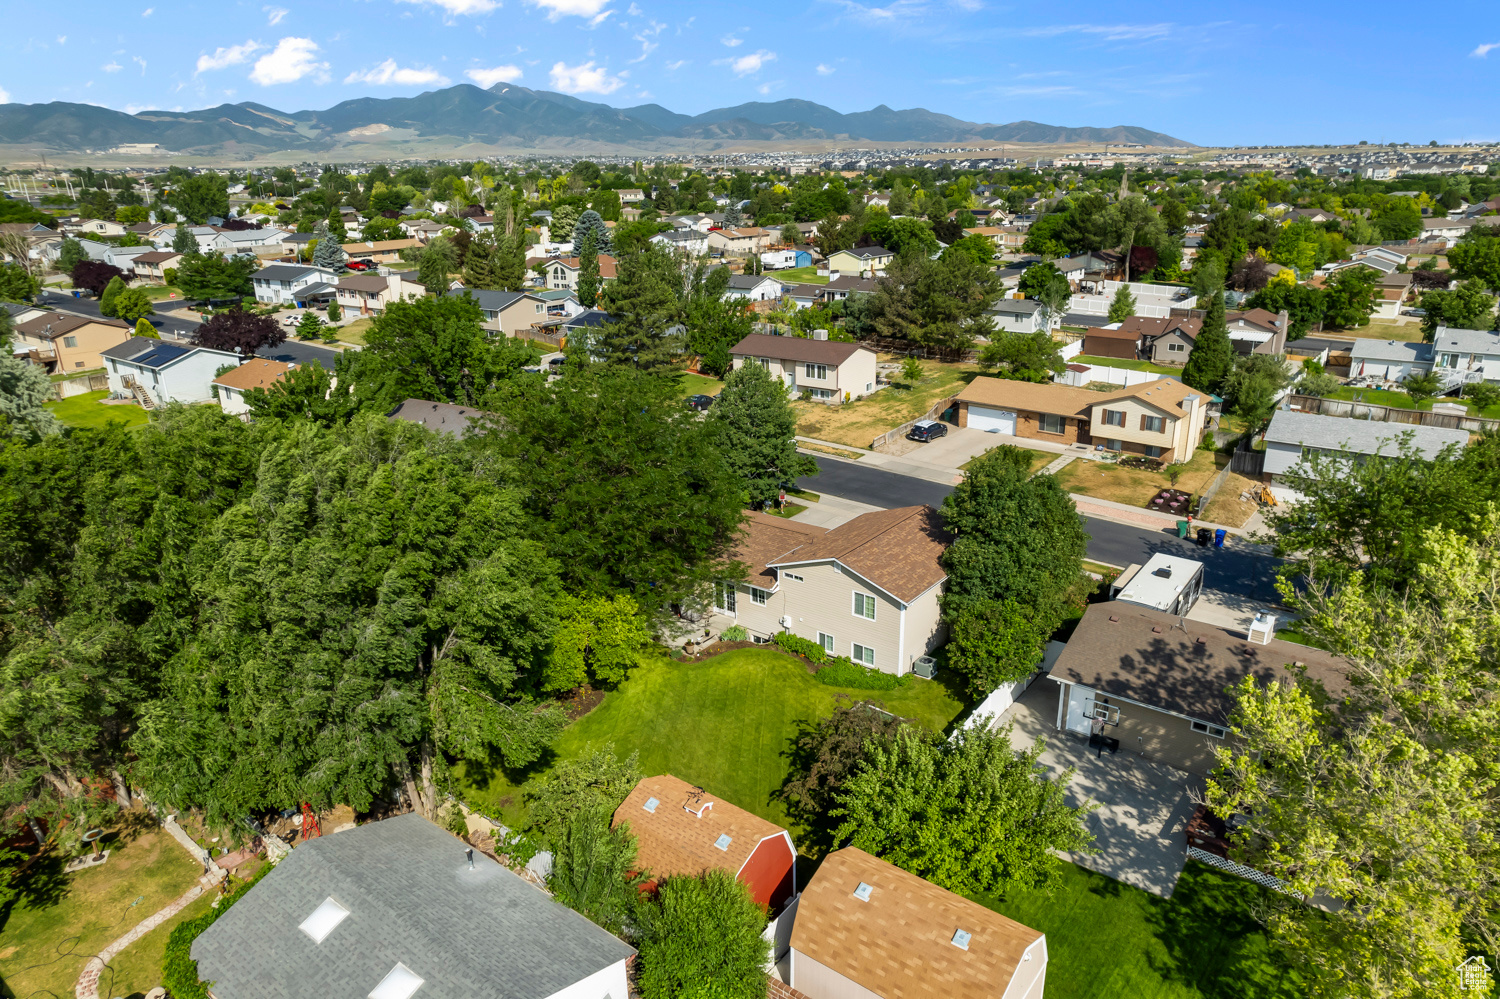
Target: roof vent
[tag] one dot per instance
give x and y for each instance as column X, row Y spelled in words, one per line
column 863, row 892
column 400, row 983
column 703, row 806
column 723, row 842
column 323, row 919
column 1113, row 619
column 650, row 805
column 1165, row 571
column 961, row 939
column 1156, row 629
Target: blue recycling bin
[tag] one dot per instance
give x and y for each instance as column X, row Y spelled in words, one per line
column 1219, row 537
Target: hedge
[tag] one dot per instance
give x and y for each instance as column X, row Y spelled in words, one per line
column 839, row 671
column 811, row 651
column 179, row 972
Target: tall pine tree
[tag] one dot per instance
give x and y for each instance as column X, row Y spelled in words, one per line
column 588, row 272
column 1212, row 355
column 328, row 253
column 644, row 302
column 590, row 224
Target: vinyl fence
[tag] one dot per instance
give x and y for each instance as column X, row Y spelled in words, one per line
column 1389, row 414
column 80, row 386
column 1114, row 376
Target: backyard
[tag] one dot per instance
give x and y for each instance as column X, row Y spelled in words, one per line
column 1400, row 400
column 1136, row 486
column 1379, row 329
column 722, row 723
column 861, row 421
column 87, row 411
column 59, row 920
column 1121, row 362
column 800, row 275
column 696, row 384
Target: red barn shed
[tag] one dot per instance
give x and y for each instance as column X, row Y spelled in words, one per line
column 682, row 829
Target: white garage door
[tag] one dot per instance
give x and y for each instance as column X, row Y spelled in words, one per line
column 985, row 418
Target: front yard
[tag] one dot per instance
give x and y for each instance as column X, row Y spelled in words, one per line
column 1136, row 486
column 859, row 422
column 355, row 332
column 87, row 411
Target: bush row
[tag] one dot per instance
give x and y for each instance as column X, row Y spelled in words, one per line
column 839, row 671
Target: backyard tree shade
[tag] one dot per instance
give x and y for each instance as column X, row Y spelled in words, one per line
column 753, row 426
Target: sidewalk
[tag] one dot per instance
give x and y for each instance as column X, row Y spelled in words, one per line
column 830, row 511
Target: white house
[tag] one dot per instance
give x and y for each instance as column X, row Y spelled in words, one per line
column 157, row 372
column 242, row 241
column 1017, row 315
column 286, row 284
column 753, row 288
column 256, row 373
column 1293, row 436
column 690, row 241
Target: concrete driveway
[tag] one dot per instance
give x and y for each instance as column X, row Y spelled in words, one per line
column 1144, row 806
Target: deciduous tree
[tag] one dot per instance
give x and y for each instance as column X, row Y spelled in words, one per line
column 703, row 931
column 239, row 331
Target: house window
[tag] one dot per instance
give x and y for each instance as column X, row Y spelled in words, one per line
column 1053, row 424
column 864, row 606
column 1154, row 452
column 724, row 594
column 791, row 575
column 758, row 596
column 1153, row 424
column 765, row 362
column 818, row 393
column 70, row 341
column 539, row 307
column 1114, row 417
column 863, row 654
column 1211, row 730
column 1114, row 445
column 1175, row 348
column 826, row 641
column 818, row 371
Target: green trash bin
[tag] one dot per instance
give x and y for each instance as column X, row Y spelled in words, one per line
column 1182, row 528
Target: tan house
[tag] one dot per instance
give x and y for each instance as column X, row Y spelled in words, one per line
column 826, row 370
column 256, row 373
column 153, row 265
column 867, row 590
column 381, row 251
column 371, row 293
column 1162, row 419
column 92, row 227
column 505, row 312
column 865, row 261
column 1007, row 239
column 562, row 272
column 740, row 242
column 866, row 929
column 63, row 343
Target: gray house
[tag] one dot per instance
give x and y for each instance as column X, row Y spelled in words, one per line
column 1017, row 315
column 1293, row 436
column 292, row 284
column 401, row 909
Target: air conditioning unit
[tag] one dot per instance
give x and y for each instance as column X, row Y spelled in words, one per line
column 924, row 666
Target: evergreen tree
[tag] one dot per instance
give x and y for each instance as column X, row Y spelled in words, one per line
column 588, row 271
column 589, row 223
column 335, row 311
column 432, row 271
column 328, row 254
column 733, row 217
column 183, row 240
column 644, row 304
column 111, row 292
column 510, row 262
column 144, row 328
column 24, row 391
column 481, row 266
column 1212, row 355
column 336, row 225
column 753, row 426
column 1123, row 306
column 310, row 327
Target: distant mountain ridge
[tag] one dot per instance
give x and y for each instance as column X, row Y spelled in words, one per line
column 510, row 116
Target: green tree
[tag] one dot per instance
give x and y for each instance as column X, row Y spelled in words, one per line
column 309, row 327
column 1467, row 307
column 733, row 217
column 993, row 642
column 969, row 814
column 24, row 392
column 328, row 253
column 1251, row 386
column 564, row 220
column 71, row 253
column 1212, row 356
column 132, row 304
column 335, row 312
column 199, row 196
column 593, row 783
column 308, row 392
column 824, row 754
column 594, row 870
column 111, row 292
column 979, row 249
column 336, row 227
column 1349, row 297
column 590, row 224
column 1122, row 306
column 703, row 931
column 1476, row 256
column 1397, row 218
column 211, row 277
column 1029, row 357
column 644, row 303
column 588, row 269
column 1421, row 386
column 144, row 328
column 753, row 426
column 16, row 284
column 598, row 640
column 183, row 240
column 432, row 270
column 1302, row 303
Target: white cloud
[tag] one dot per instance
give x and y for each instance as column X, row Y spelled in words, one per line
column 751, row 62
column 766, row 88
column 148, row 12
column 498, row 74
column 673, row 67
column 62, row 39
column 111, row 67
column 1109, row 32
column 460, row 6
column 825, row 70
column 732, row 41
column 586, row 79
column 883, row 15
column 4, row 96
column 645, row 37
column 138, row 59
column 571, row 8
column 291, row 60
column 635, row 11
column 225, row 57
column 1484, row 50
column 388, row 74
column 275, row 14
column 600, row 19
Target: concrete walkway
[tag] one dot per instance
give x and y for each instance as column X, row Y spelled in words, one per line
column 830, row 511
column 1058, row 465
column 88, row 982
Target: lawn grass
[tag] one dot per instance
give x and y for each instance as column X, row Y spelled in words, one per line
column 1123, row 362
column 86, row 411
column 67, row 376
column 861, row 421
column 355, row 332
column 1400, row 400
column 1136, row 486
column 161, row 292
column 695, row 384
column 804, row 494
column 789, row 510
column 837, row 452
column 1380, row 329
column 59, row 920
column 799, row 275
column 1108, row 940
column 722, row 724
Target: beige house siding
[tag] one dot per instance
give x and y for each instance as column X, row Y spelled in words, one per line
column 1153, row 734
column 1178, row 437
column 1162, row 352
column 818, row 981
column 517, row 317
column 78, row 349
column 857, row 374
column 1030, row 978
column 822, row 601
column 925, row 630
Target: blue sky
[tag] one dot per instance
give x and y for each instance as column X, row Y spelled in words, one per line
column 1228, row 73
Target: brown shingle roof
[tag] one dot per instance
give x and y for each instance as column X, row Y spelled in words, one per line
column 793, row 348
column 899, row 944
column 897, row 550
column 364, row 282
column 254, row 373
column 55, row 324
column 767, row 538
column 673, row 840
column 606, row 264
column 1146, row 656
column 156, row 256
column 1166, row 394
column 1119, row 334
column 1147, row 326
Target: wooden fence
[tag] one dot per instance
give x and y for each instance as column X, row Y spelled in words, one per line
column 900, row 432
column 78, row 386
column 1389, row 414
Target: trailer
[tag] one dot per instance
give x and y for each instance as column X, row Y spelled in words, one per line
column 1165, row 583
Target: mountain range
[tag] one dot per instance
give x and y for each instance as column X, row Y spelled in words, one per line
column 512, row 119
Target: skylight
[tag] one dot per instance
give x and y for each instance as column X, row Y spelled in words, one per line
column 863, row 892
column 960, row 940
column 650, row 805
column 323, row 919
column 723, row 841
column 400, row 983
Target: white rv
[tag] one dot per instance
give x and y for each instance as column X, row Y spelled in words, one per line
column 1165, row 583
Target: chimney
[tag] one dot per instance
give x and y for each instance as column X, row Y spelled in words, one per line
column 820, row 334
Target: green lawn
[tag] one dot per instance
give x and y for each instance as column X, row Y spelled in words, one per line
column 59, row 919
column 67, row 376
column 161, row 293
column 355, row 331
column 790, row 510
column 722, row 723
column 1107, row 940
column 1400, row 400
column 1123, row 362
column 799, row 275
column 86, row 411
column 693, row 384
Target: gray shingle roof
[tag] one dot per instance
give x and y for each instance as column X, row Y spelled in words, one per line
column 284, row 272
column 1466, row 341
column 490, row 301
column 411, row 898
column 443, row 417
column 1337, row 433
column 147, row 352
column 1369, row 349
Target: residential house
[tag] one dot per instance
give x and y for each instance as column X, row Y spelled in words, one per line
column 560, row 303
column 740, row 242
column 867, row 590
column 690, row 241
column 250, row 242
column 562, row 273
column 1007, row 239
column 152, row 231
column 1018, row 315
column 845, row 285
column 256, row 373
column 295, row 244
column 866, row 929
column 864, row 261
column 802, row 296
column 91, row 227
column 505, row 312
column 1293, row 436
column 371, row 293
column 753, row 288
column 443, row 417
column 157, row 372
column 631, row 196
column 422, row 229
column 1164, row 685
column 680, row 828
column 290, row 284
column 62, row 343
column 153, row 265
column 401, row 909
column 1393, row 360
column 1161, row 341
column 123, row 257
column 1162, row 419
column 382, row 251
column 828, row 371
column 1460, row 356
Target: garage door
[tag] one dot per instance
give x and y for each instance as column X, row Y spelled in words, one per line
column 985, row 418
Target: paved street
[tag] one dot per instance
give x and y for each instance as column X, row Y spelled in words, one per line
column 1238, row 568
column 171, row 324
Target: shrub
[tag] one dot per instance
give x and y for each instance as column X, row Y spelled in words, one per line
column 841, row 672
column 179, row 972
column 735, row 633
column 799, row 646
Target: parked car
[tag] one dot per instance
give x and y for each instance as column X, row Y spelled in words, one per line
column 927, row 430
column 700, row 402
column 359, row 265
